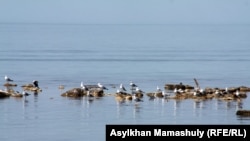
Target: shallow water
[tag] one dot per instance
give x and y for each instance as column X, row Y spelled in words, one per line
column 149, row 55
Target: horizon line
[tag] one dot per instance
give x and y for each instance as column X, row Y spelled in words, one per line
column 72, row 23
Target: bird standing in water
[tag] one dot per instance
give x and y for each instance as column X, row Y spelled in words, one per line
column 83, row 87
column 122, row 87
column 7, row 79
column 101, row 86
column 35, row 82
column 25, row 94
column 132, row 84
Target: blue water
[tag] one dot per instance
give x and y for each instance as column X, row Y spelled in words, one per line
column 149, row 55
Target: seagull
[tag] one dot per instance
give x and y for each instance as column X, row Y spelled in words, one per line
column 122, row 87
column 178, row 91
column 139, row 90
column 35, row 82
column 84, row 87
column 136, row 99
column 89, row 94
column 165, row 94
column 118, row 91
column 201, row 91
column 175, row 90
column 237, row 93
column 132, row 84
column 217, row 92
column 101, row 86
column 195, row 93
column 7, row 78
column 25, row 94
column 158, row 89
column 226, row 91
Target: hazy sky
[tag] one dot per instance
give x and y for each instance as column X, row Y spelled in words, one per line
column 125, row 11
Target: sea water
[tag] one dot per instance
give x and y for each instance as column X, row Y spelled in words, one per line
column 148, row 55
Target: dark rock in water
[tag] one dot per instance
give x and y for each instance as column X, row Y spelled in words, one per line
column 78, row 92
column 32, row 89
column 169, row 86
column 28, row 85
column 75, row 92
column 97, row 93
column 155, row 94
column 17, row 95
column 243, row 112
column 4, row 94
column 178, row 86
column 244, row 88
column 139, row 94
column 10, row 85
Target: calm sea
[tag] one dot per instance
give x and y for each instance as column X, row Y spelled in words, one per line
column 148, row 55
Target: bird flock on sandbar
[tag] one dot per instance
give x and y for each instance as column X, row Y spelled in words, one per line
column 26, row 88
column 171, row 91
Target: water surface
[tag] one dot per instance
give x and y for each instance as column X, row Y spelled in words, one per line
column 149, row 55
